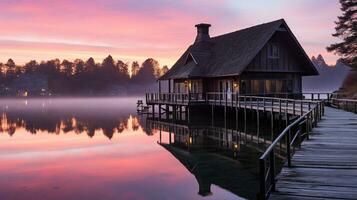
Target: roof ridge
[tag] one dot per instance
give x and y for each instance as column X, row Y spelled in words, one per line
column 251, row 27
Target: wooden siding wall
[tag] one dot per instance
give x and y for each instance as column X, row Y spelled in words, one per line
column 287, row 61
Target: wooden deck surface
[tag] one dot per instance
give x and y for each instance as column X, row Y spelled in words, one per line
column 326, row 165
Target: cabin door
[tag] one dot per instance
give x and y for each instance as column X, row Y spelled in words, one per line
column 225, row 88
column 229, row 90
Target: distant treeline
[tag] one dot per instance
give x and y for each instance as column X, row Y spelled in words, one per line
column 55, row 77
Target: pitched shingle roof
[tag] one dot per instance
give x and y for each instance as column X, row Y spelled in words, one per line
column 227, row 54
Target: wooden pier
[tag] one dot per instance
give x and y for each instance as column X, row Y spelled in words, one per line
column 322, row 167
column 178, row 102
column 326, row 165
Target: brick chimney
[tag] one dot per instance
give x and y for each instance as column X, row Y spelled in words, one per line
column 202, row 32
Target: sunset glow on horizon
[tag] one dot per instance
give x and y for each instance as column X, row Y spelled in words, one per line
column 136, row 30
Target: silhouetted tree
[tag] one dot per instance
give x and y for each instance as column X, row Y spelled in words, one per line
column 148, row 72
column 346, row 29
column 67, row 67
column 31, row 66
column 164, row 70
column 79, row 66
column 79, row 77
column 2, row 69
column 90, row 65
column 10, row 64
column 123, row 67
column 109, row 70
column 10, row 69
column 123, row 75
column 135, row 68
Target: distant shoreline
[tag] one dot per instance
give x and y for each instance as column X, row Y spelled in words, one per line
column 72, row 96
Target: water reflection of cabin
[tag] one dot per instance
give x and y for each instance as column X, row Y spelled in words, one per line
column 213, row 159
column 262, row 59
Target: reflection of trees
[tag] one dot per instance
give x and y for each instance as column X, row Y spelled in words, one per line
column 59, row 121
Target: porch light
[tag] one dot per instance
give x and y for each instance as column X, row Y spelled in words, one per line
column 236, row 146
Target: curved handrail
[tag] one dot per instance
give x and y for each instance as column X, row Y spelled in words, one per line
column 268, row 174
column 282, row 134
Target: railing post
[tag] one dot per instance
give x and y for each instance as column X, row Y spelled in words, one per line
column 302, row 109
column 315, row 112
column 288, row 150
column 328, row 97
column 237, row 100
column 262, row 179
column 232, row 98
column 220, row 98
column 272, row 170
column 299, row 135
column 338, row 104
column 251, row 103
column 307, row 125
column 226, row 96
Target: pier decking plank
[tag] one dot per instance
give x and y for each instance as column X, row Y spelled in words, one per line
column 326, row 165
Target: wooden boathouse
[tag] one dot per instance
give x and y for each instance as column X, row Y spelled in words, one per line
column 265, row 60
column 262, row 59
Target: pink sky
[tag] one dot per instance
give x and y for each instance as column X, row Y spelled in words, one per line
column 135, row 30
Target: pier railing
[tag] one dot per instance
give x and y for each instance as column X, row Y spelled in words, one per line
column 349, row 105
column 185, row 98
column 292, row 136
column 174, row 98
column 274, row 104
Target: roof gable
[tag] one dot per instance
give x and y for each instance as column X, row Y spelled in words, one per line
column 190, row 58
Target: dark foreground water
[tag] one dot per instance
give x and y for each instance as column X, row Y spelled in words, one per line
column 100, row 149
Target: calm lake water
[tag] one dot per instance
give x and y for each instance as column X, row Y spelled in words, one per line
column 99, row 148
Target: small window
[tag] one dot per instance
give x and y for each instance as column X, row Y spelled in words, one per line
column 273, row 51
column 273, row 56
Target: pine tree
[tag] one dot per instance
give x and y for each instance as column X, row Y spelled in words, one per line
column 346, row 29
